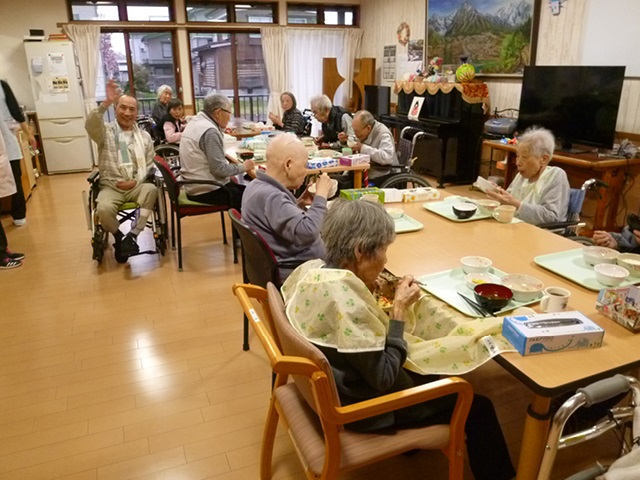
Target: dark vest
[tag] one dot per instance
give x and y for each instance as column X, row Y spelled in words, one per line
column 333, row 126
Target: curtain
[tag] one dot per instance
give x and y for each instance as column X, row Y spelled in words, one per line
column 274, row 49
column 86, row 39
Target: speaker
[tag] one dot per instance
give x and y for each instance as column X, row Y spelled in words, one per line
column 377, row 99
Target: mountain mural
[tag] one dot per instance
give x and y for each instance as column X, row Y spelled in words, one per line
column 495, row 42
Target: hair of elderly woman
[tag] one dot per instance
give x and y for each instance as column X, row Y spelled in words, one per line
column 355, row 223
column 292, row 97
column 161, row 89
column 366, row 118
column 214, row 102
column 321, row 102
column 540, row 141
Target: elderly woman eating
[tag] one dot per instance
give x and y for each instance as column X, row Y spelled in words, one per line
column 539, row 192
column 333, row 306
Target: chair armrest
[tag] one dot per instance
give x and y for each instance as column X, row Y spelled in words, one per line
column 93, row 176
column 554, row 225
column 200, row 182
column 404, row 398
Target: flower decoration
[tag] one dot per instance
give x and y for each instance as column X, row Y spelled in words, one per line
column 436, row 63
column 404, row 32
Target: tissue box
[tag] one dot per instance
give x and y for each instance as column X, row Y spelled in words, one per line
column 551, row 332
column 355, row 159
column 356, row 193
column 621, row 305
column 322, row 162
column 420, row 194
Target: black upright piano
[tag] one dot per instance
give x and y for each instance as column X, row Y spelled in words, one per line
column 451, row 148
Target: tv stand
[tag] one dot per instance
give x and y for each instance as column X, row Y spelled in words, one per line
column 567, row 147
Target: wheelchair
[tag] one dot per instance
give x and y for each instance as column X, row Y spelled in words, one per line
column 406, row 177
column 170, row 152
column 157, row 221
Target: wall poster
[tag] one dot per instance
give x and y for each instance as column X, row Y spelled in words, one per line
column 497, row 36
column 389, row 63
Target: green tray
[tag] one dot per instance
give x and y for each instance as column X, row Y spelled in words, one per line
column 570, row 264
column 447, row 284
column 406, row 224
column 443, row 208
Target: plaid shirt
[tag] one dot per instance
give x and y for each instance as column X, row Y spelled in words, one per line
column 104, row 134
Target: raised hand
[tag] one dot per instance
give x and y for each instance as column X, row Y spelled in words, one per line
column 113, row 91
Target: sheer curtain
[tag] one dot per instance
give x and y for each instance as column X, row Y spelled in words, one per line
column 274, row 49
column 86, row 39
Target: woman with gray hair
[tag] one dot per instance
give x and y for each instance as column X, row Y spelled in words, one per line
column 159, row 111
column 539, row 192
column 333, row 306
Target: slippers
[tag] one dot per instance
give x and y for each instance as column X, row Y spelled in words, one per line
column 15, row 255
column 7, row 263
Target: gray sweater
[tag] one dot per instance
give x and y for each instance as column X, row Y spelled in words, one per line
column 380, row 146
column 292, row 233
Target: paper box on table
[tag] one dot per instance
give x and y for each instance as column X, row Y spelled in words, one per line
column 355, row 159
column 420, row 194
column 322, row 162
column 356, row 193
column 621, row 305
column 551, row 332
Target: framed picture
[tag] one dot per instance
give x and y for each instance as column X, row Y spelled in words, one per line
column 496, row 36
column 416, row 106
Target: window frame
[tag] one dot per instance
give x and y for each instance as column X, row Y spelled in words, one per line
column 122, row 11
column 320, row 8
column 231, row 13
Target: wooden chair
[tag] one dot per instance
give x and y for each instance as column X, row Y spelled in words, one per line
column 310, row 407
column 259, row 263
column 181, row 206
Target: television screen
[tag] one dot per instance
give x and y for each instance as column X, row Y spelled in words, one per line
column 579, row 104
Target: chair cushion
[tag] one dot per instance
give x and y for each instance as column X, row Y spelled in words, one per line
column 128, row 206
column 357, row 448
column 184, row 200
column 191, row 208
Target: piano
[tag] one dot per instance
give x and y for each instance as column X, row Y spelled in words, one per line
column 451, row 149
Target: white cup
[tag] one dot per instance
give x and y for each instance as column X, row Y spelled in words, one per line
column 504, row 213
column 555, row 299
column 370, row 197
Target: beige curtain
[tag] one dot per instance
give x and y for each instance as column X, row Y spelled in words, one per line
column 274, row 49
column 352, row 43
column 86, row 39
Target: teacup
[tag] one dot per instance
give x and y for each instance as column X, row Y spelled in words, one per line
column 486, row 205
column 555, row 299
column 504, row 213
column 370, row 197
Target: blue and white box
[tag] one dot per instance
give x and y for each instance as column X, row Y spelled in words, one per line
column 551, row 332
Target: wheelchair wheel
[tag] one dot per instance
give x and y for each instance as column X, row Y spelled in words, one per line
column 405, row 180
column 99, row 242
column 170, row 154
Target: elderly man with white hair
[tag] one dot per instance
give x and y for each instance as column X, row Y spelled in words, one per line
column 202, row 155
column 291, row 230
column 335, row 120
column 539, row 192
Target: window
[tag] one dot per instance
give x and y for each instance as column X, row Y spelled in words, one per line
column 316, row 14
column 231, row 64
column 231, row 12
column 140, row 62
column 121, row 10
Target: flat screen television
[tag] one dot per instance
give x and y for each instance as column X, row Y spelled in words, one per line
column 579, row 104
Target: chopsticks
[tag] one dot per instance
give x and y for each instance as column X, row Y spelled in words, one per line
column 476, row 306
column 417, row 282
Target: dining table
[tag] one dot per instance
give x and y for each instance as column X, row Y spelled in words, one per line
column 232, row 152
column 512, row 247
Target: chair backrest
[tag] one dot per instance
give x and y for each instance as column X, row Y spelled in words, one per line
column 259, row 264
column 576, row 200
column 293, row 344
column 169, row 179
column 406, row 144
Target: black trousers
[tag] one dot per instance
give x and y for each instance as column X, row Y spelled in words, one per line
column 18, row 202
column 3, row 241
column 221, row 197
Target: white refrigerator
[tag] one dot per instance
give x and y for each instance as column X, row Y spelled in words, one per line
column 58, row 99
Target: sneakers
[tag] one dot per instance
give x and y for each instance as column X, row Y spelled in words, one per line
column 6, row 263
column 19, row 222
column 129, row 246
column 15, row 255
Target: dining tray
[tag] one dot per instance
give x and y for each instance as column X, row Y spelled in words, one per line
column 443, row 208
column 406, row 224
column 447, row 284
column 570, row 264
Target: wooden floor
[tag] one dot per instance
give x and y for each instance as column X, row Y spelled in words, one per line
column 137, row 371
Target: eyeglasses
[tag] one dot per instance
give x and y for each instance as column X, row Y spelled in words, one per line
column 228, row 111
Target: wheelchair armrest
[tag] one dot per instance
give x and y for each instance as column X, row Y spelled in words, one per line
column 201, row 182
column 555, row 225
column 93, row 176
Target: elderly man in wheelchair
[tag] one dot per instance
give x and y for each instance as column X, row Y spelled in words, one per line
column 125, row 161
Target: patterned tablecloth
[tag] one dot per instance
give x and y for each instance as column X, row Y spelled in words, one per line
column 472, row 92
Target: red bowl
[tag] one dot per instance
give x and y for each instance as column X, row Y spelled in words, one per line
column 492, row 297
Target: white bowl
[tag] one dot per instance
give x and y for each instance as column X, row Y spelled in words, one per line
column 630, row 261
column 595, row 255
column 332, row 189
column 610, row 275
column 486, row 205
column 473, row 264
column 477, row 278
column 395, row 212
column 525, row 288
column 248, row 126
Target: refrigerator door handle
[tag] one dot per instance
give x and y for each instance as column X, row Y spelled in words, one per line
column 62, row 140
